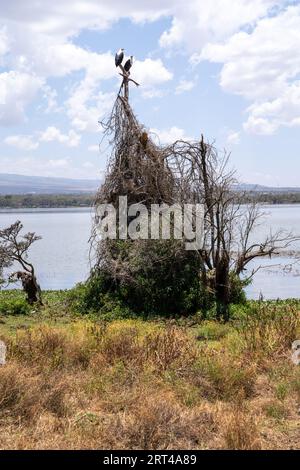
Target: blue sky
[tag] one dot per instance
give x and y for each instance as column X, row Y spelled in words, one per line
column 229, row 70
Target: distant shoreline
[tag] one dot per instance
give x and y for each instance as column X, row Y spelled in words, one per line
column 86, row 200
column 46, row 201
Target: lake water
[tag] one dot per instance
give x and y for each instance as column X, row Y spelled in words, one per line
column 61, row 258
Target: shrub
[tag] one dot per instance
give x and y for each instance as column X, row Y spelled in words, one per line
column 122, row 346
column 212, row 331
column 157, row 278
column 269, row 327
column 228, row 381
column 97, row 297
column 169, row 347
column 275, row 410
column 52, row 349
column 237, row 294
column 25, row 395
column 18, row 393
column 158, row 422
column 240, row 432
column 14, row 307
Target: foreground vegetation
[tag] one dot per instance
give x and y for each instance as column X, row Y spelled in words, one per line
column 84, row 382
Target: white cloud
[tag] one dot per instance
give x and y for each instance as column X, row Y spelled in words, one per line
column 40, row 47
column 93, row 148
column 59, row 163
column 60, row 59
column 42, row 166
column 17, row 90
column 264, row 66
column 195, row 23
column 42, row 42
column 259, row 126
column 233, row 138
column 88, row 165
column 22, row 142
column 87, row 104
column 184, row 85
column 150, row 72
column 4, row 42
column 153, row 93
column 168, row 136
column 267, row 116
column 50, row 96
column 60, row 19
column 36, row 43
column 51, row 134
column 84, row 115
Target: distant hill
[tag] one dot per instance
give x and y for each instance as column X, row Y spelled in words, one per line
column 20, row 184
column 266, row 189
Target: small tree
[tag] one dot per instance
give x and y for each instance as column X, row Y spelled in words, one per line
column 4, row 263
column 14, row 248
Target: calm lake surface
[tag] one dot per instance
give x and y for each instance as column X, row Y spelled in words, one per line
column 62, row 256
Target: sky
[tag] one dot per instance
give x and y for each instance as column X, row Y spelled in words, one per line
column 228, row 69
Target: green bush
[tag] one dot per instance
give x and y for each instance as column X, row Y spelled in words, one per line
column 166, row 280
column 162, row 278
column 96, row 297
column 14, row 307
column 237, row 293
column 148, row 278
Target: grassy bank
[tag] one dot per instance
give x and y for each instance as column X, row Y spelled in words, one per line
column 74, row 382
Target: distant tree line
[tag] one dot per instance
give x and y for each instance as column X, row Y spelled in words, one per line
column 273, row 197
column 29, row 201
column 20, row 201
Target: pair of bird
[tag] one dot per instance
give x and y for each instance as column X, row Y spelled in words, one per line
column 119, row 59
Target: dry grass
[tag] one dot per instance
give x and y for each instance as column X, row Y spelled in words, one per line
column 270, row 329
column 240, row 431
column 143, row 385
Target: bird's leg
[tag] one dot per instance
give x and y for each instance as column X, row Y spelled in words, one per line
column 126, row 88
column 122, row 68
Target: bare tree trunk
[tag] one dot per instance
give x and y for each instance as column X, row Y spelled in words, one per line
column 222, row 289
column 30, row 287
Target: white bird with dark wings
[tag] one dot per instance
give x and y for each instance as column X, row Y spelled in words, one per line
column 128, row 64
column 119, row 57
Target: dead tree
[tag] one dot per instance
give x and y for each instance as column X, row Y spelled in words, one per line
column 30, row 286
column 203, row 176
column 15, row 248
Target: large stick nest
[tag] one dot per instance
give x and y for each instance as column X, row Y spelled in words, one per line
column 146, row 173
column 137, row 167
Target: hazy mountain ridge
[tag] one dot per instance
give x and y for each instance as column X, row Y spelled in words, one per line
column 268, row 189
column 21, row 184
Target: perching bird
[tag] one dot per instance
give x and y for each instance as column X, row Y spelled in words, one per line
column 119, row 57
column 128, row 64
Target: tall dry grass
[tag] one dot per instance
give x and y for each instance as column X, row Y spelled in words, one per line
column 270, row 328
column 142, row 385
